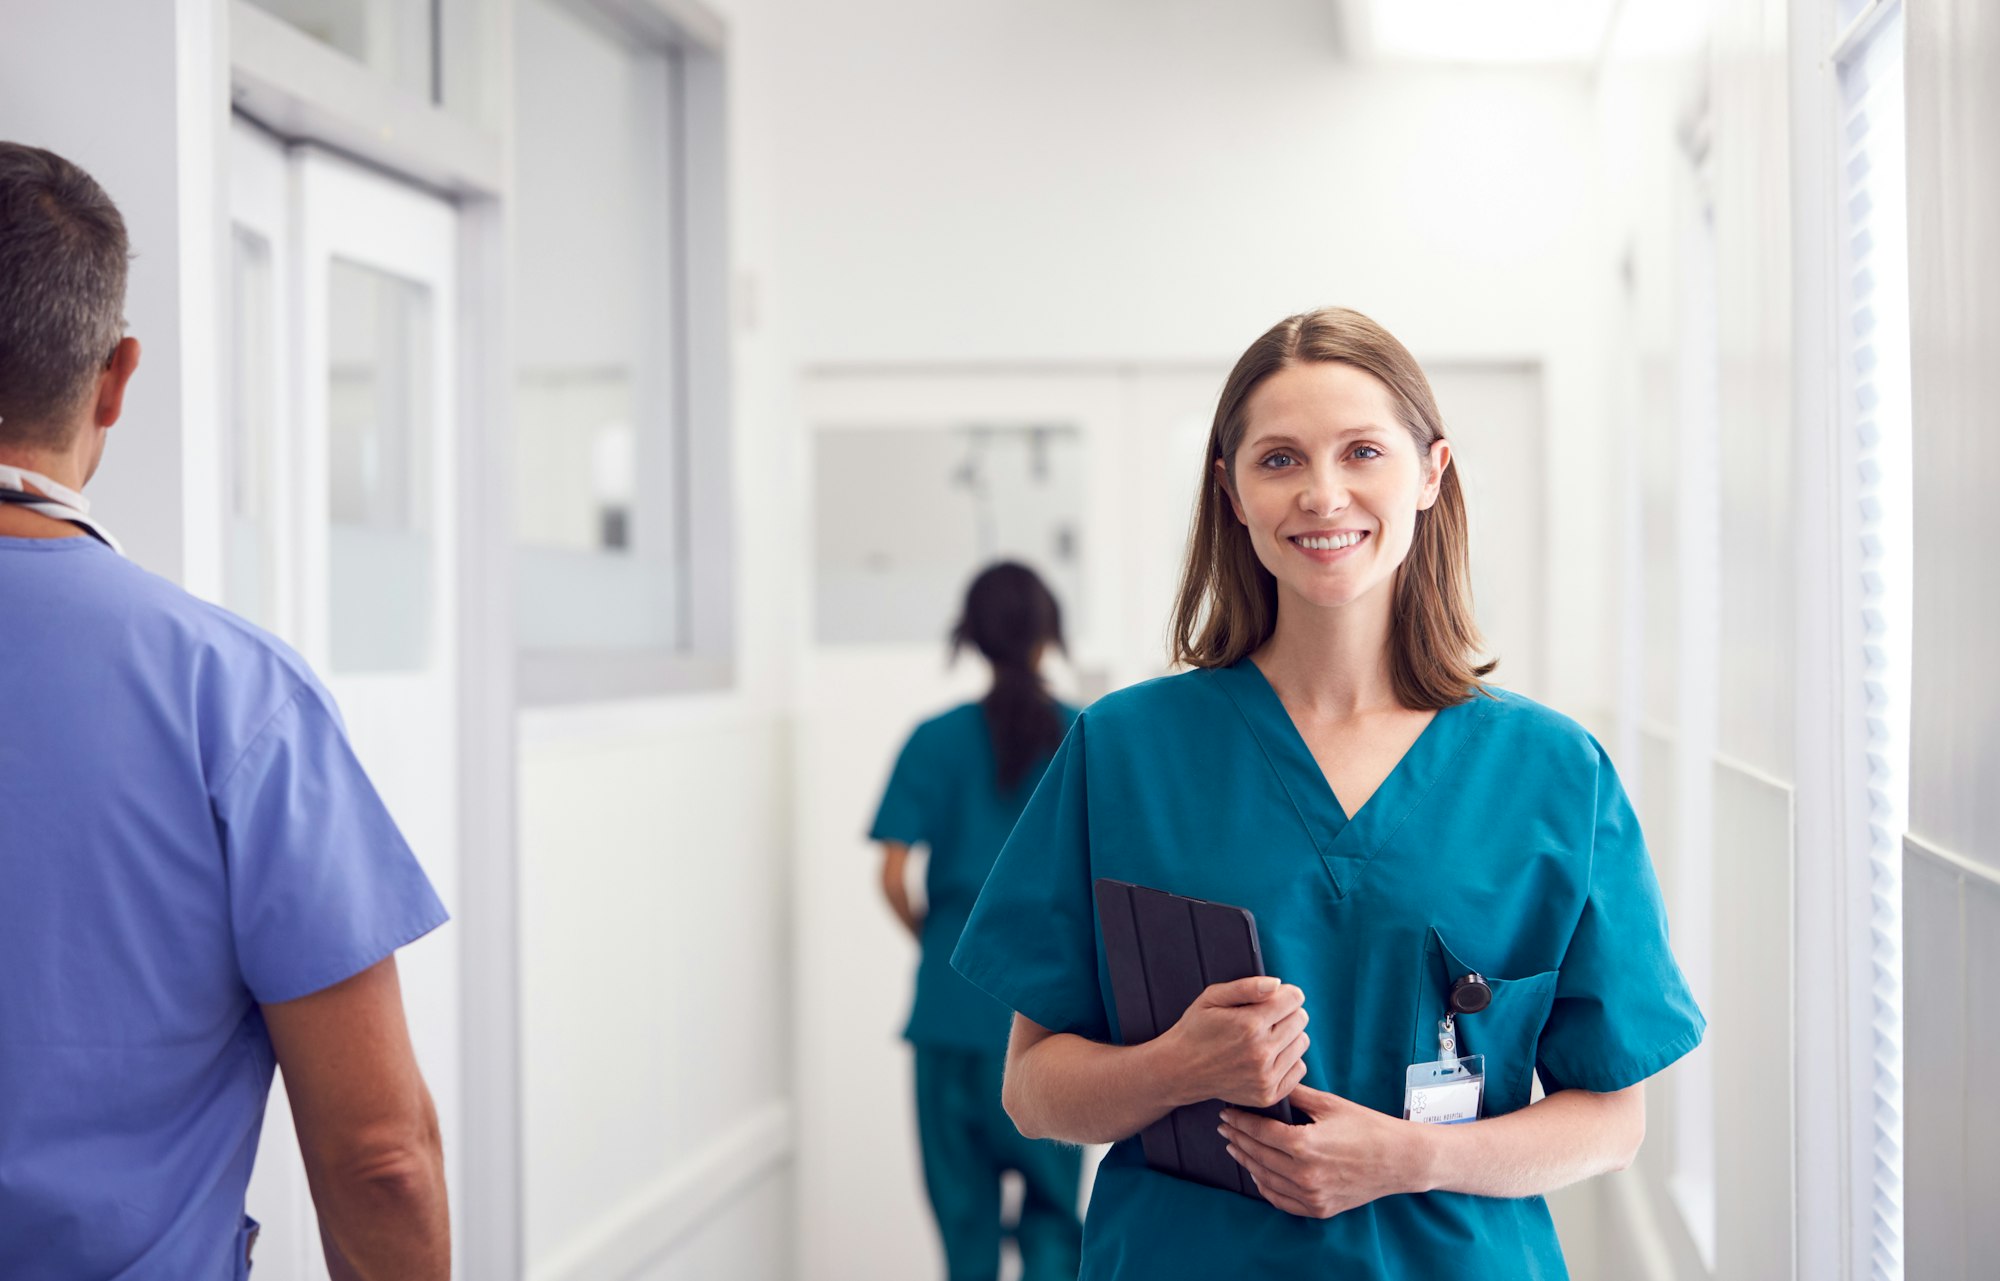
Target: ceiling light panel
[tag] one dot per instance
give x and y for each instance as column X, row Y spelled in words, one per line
column 1531, row 31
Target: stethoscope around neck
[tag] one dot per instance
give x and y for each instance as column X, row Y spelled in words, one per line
column 55, row 500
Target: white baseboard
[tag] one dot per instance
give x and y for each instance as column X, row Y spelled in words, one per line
column 649, row 1223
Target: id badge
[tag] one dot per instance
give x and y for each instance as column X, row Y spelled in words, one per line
column 1445, row 1092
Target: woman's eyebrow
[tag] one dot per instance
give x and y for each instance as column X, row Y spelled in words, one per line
column 1272, row 438
column 1282, row 438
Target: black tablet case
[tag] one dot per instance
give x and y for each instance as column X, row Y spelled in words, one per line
column 1162, row 950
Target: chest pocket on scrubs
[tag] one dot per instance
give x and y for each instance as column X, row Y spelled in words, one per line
column 1506, row 1031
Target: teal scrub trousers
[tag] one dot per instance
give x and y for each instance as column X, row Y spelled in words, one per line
column 968, row 1142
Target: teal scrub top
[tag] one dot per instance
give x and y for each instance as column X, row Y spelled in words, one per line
column 945, row 794
column 1501, row 843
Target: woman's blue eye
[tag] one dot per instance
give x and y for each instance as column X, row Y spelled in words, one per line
column 1283, row 458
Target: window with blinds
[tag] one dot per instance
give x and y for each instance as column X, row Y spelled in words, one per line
column 1875, row 401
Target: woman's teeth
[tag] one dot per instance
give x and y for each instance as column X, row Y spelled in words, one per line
column 1332, row 544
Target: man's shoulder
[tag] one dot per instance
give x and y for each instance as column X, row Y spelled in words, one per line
column 194, row 664
column 203, row 629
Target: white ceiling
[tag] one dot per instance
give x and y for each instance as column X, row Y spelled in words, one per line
column 1498, row 32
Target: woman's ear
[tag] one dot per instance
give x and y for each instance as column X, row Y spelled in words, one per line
column 1436, row 462
column 1228, row 487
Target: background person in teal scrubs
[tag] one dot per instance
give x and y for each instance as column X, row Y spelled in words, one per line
column 1335, row 763
column 958, row 786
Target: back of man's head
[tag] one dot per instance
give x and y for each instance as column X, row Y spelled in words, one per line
column 62, row 293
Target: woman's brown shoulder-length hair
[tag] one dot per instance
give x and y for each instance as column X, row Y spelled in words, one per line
column 1228, row 603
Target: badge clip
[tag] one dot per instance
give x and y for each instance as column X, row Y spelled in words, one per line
column 1453, row 1089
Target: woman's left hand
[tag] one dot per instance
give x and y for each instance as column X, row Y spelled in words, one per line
column 1346, row 1155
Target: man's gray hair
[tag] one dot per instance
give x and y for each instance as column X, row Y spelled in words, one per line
column 62, row 292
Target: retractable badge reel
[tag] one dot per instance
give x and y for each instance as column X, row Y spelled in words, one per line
column 1453, row 1088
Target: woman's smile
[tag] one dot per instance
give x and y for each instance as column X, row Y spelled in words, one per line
column 1328, row 546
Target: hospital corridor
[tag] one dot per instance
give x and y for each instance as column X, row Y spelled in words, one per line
column 882, row 640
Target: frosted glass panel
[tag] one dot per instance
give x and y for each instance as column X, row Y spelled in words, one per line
column 379, row 395
column 248, row 532
column 595, row 419
column 906, row 516
column 578, row 452
column 394, row 38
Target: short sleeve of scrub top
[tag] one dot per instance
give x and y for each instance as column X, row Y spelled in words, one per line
column 1621, row 1010
column 321, row 882
column 1032, row 939
column 905, row 815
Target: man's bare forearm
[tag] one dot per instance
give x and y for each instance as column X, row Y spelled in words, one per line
column 389, row 1223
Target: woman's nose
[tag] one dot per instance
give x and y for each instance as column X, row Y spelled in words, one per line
column 1323, row 494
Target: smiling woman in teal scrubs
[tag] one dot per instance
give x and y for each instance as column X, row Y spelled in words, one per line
column 1335, row 763
column 959, row 784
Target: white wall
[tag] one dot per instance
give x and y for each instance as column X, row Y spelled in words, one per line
column 1034, row 182
column 59, row 66
column 1754, row 777
column 654, row 961
column 1952, row 865
column 1027, row 182
column 1655, row 1222
column 654, row 847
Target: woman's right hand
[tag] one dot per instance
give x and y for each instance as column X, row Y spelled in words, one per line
column 1241, row 1042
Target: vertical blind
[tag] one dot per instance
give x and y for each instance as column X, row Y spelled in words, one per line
column 1875, row 340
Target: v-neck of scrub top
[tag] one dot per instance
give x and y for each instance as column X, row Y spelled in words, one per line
column 1346, row 844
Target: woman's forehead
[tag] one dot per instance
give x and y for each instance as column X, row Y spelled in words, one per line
column 1319, row 402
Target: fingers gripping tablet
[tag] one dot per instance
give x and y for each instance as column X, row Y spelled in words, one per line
column 1163, row 950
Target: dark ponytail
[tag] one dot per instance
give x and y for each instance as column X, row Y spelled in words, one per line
column 1010, row 617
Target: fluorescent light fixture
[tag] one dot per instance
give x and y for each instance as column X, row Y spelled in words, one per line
column 1529, row 31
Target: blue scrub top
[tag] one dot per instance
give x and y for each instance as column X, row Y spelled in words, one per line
column 945, row 793
column 1502, row 843
column 184, row 833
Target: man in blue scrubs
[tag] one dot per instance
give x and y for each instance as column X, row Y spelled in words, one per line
column 197, row 881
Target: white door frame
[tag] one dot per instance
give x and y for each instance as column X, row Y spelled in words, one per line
column 404, row 724
column 311, row 206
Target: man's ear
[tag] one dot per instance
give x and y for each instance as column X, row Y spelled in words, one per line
column 112, row 382
column 1228, row 485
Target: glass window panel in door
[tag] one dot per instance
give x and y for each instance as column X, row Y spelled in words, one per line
column 905, row 516
column 379, row 433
